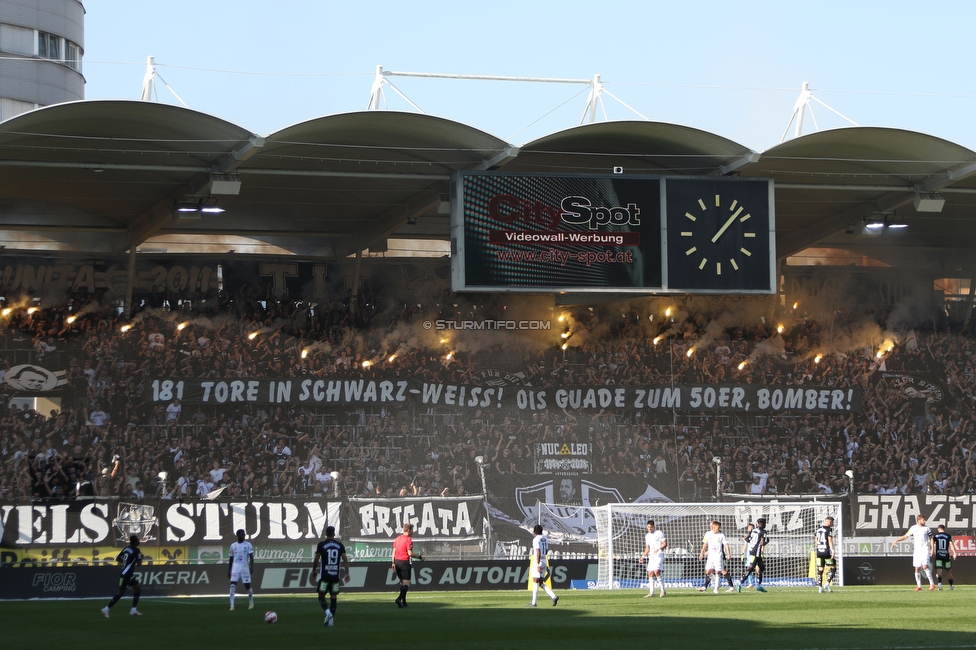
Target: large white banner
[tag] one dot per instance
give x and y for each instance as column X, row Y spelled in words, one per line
column 108, row 522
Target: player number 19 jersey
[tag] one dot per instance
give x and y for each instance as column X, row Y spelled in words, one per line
column 331, row 551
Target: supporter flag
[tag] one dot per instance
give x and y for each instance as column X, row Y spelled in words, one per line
column 213, row 494
column 911, row 341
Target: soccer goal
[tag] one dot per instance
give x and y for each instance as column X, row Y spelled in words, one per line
column 790, row 528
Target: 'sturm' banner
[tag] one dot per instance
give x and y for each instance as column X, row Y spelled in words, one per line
column 110, row 522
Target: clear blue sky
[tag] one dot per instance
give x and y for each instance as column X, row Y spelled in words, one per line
column 732, row 68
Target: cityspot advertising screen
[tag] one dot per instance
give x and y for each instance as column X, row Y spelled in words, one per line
column 612, row 233
column 521, row 232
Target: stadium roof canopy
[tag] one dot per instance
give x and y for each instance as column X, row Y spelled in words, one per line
column 101, row 176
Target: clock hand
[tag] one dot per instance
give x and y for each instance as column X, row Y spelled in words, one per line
column 726, row 225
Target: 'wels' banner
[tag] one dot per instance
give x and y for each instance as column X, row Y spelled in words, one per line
column 435, row 519
column 165, row 523
column 391, row 391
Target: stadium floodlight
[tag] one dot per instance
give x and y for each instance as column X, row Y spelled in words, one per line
column 881, row 221
column 190, row 210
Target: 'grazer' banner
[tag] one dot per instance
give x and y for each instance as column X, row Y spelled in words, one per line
column 895, row 513
column 393, row 390
column 434, row 519
column 98, row 522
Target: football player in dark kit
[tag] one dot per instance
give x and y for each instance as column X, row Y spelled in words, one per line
column 945, row 555
column 331, row 551
column 823, row 543
column 129, row 558
column 755, row 543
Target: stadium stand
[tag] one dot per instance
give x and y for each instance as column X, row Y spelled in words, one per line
column 107, row 441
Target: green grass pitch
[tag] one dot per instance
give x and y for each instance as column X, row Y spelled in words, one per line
column 851, row 617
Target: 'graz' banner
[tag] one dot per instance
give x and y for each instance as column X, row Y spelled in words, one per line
column 393, row 390
column 167, row 523
column 434, row 519
column 895, row 513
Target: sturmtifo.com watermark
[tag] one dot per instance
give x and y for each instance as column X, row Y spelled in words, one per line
column 488, row 324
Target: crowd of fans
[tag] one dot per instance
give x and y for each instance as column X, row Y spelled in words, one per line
column 108, row 439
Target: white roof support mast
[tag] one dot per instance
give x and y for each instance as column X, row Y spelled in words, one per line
column 147, row 79
column 801, row 106
column 595, row 97
column 147, row 82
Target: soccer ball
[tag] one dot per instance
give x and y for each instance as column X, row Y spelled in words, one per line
column 270, row 617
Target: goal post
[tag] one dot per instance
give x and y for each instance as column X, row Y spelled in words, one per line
column 790, row 528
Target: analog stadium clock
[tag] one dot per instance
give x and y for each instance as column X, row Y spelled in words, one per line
column 719, row 235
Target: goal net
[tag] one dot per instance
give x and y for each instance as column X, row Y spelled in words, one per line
column 790, row 528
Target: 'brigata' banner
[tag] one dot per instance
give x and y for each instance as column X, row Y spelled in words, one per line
column 434, row 519
column 391, row 391
column 895, row 513
column 111, row 522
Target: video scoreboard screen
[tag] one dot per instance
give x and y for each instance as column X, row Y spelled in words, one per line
column 611, row 233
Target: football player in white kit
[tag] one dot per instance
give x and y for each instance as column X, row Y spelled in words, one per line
column 655, row 543
column 922, row 538
column 540, row 570
column 239, row 568
column 716, row 545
